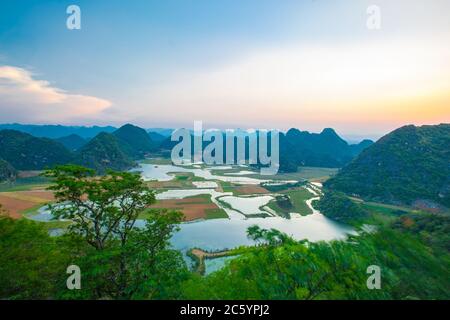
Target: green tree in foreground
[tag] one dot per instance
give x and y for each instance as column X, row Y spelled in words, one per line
column 288, row 269
column 32, row 264
column 122, row 260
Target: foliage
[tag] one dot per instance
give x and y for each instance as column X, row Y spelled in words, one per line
column 433, row 229
column 7, row 172
column 25, row 152
column 296, row 270
column 32, row 264
column 100, row 207
column 409, row 164
column 327, row 149
column 103, row 152
column 72, row 142
column 338, row 206
column 134, row 141
column 282, row 186
column 124, row 261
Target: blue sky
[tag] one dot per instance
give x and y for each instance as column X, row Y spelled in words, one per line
column 246, row 63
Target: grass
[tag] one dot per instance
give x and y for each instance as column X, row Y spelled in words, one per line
column 187, row 177
column 25, row 184
column 380, row 213
column 49, row 225
column 33, row 210
column 303, row 173
column 205, row 197
column 182, row 180
column 298, row 199
column 216, row 214
column 158, row 161
column 228, row 187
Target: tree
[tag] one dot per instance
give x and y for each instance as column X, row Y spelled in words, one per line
column 124, row 261
column 32, row 264
column 337, row 206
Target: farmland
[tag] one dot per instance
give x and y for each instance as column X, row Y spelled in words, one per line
column 193, row 208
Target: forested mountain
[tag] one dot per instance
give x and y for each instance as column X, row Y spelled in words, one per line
column 57, row 131
column 326, row 149
column 156, row 137
column 72, row 142
column 7, row 172
column 134, row 141
column 161, row 131
column 358, row 148
column 25, row 152
column 410, row 165
column 302, row 148
column 297, row 148
column 103, row 152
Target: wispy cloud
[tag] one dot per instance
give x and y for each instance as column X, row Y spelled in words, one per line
column 24, row 98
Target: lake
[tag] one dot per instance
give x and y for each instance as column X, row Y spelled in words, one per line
column 222, row 234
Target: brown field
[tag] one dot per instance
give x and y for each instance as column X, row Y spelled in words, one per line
column 15, row 203
column 168, row 184
column 29, row 174
column 192, row 208
column 250, row 189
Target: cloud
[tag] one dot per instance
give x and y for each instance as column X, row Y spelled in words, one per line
column 26, row 99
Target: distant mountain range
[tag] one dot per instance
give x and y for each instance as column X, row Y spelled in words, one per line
column 410, row 165
column 325, row 149
column 118, row 148
column 59, row 131
column 72, row 142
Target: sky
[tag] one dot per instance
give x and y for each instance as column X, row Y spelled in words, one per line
column 307, row 64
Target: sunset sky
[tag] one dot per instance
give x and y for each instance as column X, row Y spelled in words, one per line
column 249, row 63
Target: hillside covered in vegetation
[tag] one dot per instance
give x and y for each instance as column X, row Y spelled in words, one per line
column 134, row 141
column 26, row 152
column 7, row 172
column 103, row 152
column 410, row 165
column 325, row 149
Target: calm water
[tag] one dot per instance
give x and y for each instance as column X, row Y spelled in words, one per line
column 248, row 205
column 162, row 173
column 212, row 265
column 221, row 234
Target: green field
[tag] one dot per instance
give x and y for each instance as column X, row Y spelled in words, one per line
column 216, row 214
column 157, row 161
column 303, row 173
column 24, row 184
column 298, row 199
